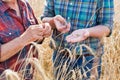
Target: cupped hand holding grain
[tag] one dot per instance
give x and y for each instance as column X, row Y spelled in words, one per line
column 46, row 29
column 33, row 33
column 61, row 24
column 78, row 36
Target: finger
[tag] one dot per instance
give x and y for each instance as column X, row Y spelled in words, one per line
column 47, row 34
column 44, row 20
column 67, row 28
column 38, row 37
column 47, row 30
column 47, row 27
column 60, row 19
column 39, row 32
column 72, row 38
column 41, row 26
column 34, row 30
column 38, row 25
column 68, row 38
column 39, row 29
column 60, row 26
column 77, row 39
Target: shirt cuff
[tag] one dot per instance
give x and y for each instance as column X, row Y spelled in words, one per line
column 111, row 29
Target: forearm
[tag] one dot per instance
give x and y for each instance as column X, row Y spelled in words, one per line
column 32, row 33
column 11, row 48
column 99, row 31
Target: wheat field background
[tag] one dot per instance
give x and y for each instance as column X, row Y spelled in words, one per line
column 111, row 58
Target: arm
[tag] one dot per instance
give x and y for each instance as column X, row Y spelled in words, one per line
column 98, row 31
column 104, row 27
column 105, row 19
column 11, row 48
column 82, row 34
column 33, row 33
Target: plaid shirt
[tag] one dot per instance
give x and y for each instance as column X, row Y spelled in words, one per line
column 12, row 26
column 81, row 14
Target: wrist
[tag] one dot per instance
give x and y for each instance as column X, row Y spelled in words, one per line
column 87, row 32
column 23, row 41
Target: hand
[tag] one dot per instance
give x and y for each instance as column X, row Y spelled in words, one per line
column 33, row 33
column 47, row 29
column 61, row 24
column 78, row 36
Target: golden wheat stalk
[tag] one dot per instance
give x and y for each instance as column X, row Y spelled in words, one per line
column 35, row 63
column 9, row 75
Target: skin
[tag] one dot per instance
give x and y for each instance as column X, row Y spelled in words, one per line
column 58, row 22
column 33, row 33
column 79, row 35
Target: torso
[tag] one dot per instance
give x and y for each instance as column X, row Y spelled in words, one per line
column 13, row 22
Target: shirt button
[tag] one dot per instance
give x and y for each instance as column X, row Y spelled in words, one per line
column 10, row 33
column 71, row 3
column 68, row 19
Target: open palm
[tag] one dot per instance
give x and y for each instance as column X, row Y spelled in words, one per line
column 77, row 36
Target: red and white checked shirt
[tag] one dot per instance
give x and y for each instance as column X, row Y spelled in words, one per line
column 12, row 26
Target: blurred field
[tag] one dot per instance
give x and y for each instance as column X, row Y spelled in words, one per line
column 111, row 58
column 37, row 6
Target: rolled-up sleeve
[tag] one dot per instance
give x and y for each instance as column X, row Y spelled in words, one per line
column 49, row 9
column 105, row 14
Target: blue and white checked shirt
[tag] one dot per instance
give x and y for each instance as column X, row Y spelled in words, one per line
column 81, row 14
